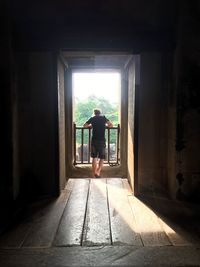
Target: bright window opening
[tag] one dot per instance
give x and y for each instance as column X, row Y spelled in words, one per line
column 95, row 90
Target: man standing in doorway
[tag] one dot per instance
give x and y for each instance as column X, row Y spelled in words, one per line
column 98, row 143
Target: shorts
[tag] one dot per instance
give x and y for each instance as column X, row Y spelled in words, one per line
column 98, row 149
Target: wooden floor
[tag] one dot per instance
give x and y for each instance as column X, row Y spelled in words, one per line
column 95, row 212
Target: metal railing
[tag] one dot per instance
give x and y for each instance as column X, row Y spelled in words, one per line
column 82, row 145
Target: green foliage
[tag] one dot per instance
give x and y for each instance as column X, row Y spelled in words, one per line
column 84, row 110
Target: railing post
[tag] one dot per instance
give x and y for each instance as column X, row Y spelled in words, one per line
column 82, row 140
column 108, row 145
column 118, row 131
column 89, row 145
column 81, row 161
column 75, row 144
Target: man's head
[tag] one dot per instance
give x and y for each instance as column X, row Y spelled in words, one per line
column 97, row 111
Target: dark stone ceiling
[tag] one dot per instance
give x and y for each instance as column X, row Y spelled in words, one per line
column 146, row 14
column 110, row 21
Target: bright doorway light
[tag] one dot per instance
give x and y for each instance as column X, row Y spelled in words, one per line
column 100, row 84
column 96, row 90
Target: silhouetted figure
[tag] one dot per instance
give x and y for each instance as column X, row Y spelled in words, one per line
column 98, row 143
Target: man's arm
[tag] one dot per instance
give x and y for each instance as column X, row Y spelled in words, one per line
column 86, row 125
column 109, row 124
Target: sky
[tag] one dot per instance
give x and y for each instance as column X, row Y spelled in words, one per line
column 100, row 84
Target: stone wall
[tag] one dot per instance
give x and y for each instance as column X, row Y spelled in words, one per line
column 187, row 73
column 131, row 126
column 152, row 137
column 61, row 118
column 38, row 140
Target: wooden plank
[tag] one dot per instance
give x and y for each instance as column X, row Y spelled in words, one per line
column 15, row 236
column 45, row 224
column 175, row 216
column 97, row 227
column 70, row 229
column 171, row 216
column 123, row 226
column 69, row 185
column 127, row 187
column 104, row 256
column 148, row 224
column 26, row 231
column 177, row 235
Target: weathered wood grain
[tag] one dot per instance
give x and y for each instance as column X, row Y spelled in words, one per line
column 97, row 227
column 177, row 235
column 44, row 226
column 113, row 217
column 71, row 226
column 15, row 237
column 123, row 226
column 150, row 229
column 40, row 225
column 127, row 187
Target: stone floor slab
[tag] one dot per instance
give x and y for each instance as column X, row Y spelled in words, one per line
column 101, row 256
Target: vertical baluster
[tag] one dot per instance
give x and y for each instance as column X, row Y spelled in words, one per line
column 82, row 139
column 108, row 145
column 75, row 144
column 89, row 145
column 118, row 131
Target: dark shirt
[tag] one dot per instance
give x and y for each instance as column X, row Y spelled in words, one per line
column 98, row 124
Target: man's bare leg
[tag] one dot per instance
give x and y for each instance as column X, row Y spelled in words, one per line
column 98, row 171
column 94, row 166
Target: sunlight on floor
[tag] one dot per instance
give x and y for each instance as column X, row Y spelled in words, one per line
column 147, row 219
